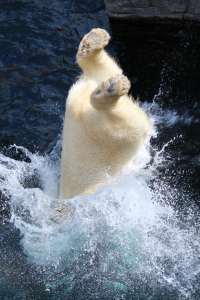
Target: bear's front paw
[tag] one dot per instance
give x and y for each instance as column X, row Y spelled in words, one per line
column 96, row 39
column 113, row 87
column 108, row 91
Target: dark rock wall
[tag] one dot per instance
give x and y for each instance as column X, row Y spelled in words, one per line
column 173, row 9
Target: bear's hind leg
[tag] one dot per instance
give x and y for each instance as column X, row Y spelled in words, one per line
column 108, row 92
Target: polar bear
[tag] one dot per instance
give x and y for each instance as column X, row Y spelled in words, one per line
column 103, row 126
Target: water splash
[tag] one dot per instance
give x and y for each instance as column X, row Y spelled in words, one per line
column 122, row 237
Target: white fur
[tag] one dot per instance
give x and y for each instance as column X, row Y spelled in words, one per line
column 98, row 140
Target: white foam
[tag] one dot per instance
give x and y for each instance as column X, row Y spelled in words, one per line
column 126, row 219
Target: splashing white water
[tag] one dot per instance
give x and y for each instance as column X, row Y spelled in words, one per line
column 124, row 223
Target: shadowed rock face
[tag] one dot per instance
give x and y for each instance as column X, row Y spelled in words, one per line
column 173, row 9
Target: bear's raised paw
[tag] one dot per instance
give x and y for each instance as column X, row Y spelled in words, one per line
column 108, row 91
column 96, row 39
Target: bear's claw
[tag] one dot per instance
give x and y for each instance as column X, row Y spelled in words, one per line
column 96, row 39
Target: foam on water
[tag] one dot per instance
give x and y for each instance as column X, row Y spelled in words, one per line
column 121, row 231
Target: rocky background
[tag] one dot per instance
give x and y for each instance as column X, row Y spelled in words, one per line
column 136, row 9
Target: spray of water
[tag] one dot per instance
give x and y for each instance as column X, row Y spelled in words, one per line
column 124, row 232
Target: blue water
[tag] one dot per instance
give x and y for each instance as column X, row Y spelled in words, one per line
column 137, row 239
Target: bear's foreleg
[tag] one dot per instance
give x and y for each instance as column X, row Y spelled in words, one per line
column 93, row 59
